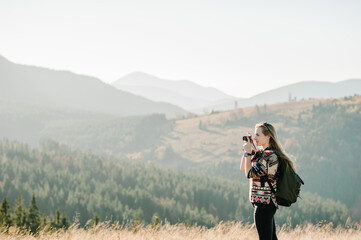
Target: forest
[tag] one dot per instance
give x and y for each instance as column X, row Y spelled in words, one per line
column 81, row 184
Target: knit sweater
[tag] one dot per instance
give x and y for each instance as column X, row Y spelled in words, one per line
column 263, row 162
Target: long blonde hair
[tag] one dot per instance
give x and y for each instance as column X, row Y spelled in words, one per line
column 274, row 144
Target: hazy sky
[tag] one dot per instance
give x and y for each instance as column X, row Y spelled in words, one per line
column 240, row 47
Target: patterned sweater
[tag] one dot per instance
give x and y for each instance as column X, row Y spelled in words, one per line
column 263, row 162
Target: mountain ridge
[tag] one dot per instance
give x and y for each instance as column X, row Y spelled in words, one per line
column 152, row 87
column 190, row 94
column 295, row 91
column 143, row 93
column 65, row 89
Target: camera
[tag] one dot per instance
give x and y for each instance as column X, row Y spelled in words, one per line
column 249, row 136
column 245, row 138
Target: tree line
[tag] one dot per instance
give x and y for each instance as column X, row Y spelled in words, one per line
column 30, row 218
column 80, row 184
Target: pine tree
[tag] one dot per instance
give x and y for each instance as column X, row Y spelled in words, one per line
column 156, row 222
column 258, row 111
column 33, row 222
column 44, row 222
column 57, row 219
column 5, row 219
column 137, row 220
column 20, row 214
column 51, row 221
column 96, row 220
column 65, row 222
column 61, row 221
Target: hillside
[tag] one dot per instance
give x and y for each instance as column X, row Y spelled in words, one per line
column 81, row 184
column 27, row 123
column 85, row 130
column 218, row 136
column 313, row 132
column 61, row 89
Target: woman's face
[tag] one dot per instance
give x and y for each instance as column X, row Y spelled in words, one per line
column 260, row 138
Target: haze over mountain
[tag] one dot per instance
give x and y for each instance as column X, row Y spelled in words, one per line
column 63, row 89
column 301, row 90
column 199, row 99
column 183, row 93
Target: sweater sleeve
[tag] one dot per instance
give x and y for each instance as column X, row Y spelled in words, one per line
column 272, row 164
column 260, row 168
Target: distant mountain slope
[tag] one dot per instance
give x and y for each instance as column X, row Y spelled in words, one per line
column 301, row 90
column 311, row 89
column 45, row 87
column 313, row 132
column 29, row 123
column 183, row 93
column 197, row 99
column 164, row 95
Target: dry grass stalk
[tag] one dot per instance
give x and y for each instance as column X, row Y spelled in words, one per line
column 234, row 230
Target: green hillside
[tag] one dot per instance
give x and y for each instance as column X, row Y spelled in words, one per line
column 81, row 184
column 81, row 129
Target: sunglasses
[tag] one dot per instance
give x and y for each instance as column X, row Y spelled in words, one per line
column 264, row 123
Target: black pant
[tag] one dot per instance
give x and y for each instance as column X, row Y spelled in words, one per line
column 264, row 220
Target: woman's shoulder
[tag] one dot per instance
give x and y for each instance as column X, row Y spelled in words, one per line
column 270, row 154
column 266, row 154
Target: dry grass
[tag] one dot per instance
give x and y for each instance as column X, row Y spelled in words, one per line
column 214, row 141
column 180, row 231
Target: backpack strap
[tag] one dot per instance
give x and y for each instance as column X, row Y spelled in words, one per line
column 281, row 168
column 270, row 185
column 277, row 173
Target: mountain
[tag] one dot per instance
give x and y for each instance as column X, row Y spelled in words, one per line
column 183, row 93
column 198, row 99
column 301, row 90
column 63, row 89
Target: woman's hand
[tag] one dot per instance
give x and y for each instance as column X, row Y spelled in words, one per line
column 247, row 165
column 247, row 147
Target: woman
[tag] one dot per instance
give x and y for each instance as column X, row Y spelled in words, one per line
column 257, row 167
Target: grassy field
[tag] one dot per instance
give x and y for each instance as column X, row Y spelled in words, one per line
column 206, row 138
column 180, row 231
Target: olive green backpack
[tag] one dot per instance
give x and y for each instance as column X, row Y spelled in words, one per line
column 288, row 185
